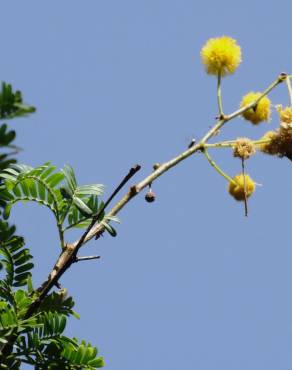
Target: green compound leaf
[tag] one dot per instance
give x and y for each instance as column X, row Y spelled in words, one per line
column 38, row 184
column 6, row 137
column 11, row 103
column 56, row 190
column 84, row 356
column 109, row 229
column 58, row 302
column 16, row 260
column 70, row 183
column 82, row 200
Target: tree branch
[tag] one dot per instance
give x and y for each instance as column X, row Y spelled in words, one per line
column 69, row 253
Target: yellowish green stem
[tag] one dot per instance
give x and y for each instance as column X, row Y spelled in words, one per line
column 288, row 82
column 219, row 95
column 231, row 143
column 221, row 122
column 216, row 167
column 223, row 144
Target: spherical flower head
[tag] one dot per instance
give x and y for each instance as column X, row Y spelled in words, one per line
column 261, row 112
column 272, row 146
column 243, row 148
column 285, row 114
column 241, row 187
column 221, row 55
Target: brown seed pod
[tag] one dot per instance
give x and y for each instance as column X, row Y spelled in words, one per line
column 150, row 196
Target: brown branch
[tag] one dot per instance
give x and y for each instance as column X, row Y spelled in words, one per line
column 69, row 252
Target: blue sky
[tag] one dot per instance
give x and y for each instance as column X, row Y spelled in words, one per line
column 189, row 283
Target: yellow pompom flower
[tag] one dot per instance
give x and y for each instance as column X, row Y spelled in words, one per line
column 261, row 112
column 221, row 55
column 241, row 187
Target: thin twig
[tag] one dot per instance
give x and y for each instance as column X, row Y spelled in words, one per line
column 95, row 218
column 69, row 252
column 282, row 77
column 244, row 188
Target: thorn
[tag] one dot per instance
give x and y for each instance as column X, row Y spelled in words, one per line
column 86, row 258
column 192, row 143
column 58, row 285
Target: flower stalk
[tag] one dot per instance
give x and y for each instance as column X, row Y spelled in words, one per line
column 219, row 95
column 288, row 82
column 216, row 167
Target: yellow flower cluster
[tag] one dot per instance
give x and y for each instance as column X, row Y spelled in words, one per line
column 261, row 112
column 221, row 55
column 241, row 187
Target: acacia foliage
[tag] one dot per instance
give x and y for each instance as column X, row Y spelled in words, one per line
column 37, row 340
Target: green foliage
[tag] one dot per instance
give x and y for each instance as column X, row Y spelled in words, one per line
column 83, row 356
column 6, row 137
column 11, row 103
column 59, row 302
column 24, row 183
column 77, row 218
column 82, row 198
column 45, row 346
column 72, row 205
column 16, row 261
column 37, row 339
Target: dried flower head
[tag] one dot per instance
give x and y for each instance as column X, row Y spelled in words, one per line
column 285, row 140
column 272, row 144
column 261, row 112
column 243, row 148
column 279, row 142
column 285, row 114
column 241, row 187
column 221, row 55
